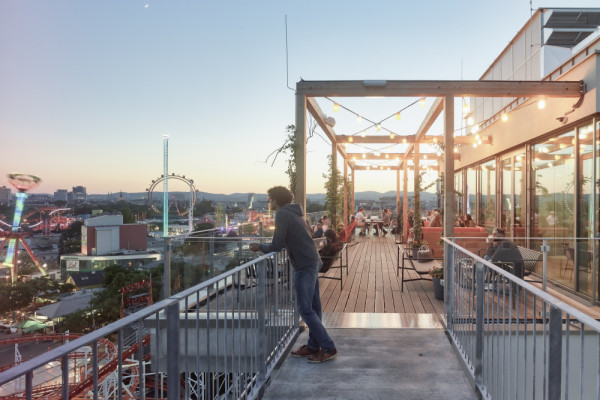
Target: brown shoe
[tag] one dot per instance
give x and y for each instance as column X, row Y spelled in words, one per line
column 322, row 356
column 303, row 351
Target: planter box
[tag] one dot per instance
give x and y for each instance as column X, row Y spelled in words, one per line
column 438, row 288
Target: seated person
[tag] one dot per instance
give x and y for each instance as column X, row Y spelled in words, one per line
column 468, row 221
column 504, row 250
column 326, row 222
column 387, row 220
column 436, row 219
column 361, row 221
column 319, row 230
column 331, row 247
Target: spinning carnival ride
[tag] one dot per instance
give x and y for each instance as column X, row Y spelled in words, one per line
column 23, row 183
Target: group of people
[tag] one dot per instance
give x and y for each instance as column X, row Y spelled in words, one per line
column 385, row 221
column 321, row 227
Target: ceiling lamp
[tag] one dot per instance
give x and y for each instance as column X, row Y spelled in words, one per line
column 398, row 116
column 541, row 104
column 336, row 107
column 392, row 134
column 504, row 117
column 358, row 119
column 422, row 102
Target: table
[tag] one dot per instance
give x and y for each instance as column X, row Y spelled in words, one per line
column 424, row 270
column 378, row 222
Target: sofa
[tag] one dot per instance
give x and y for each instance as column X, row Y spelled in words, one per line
column 476, row 241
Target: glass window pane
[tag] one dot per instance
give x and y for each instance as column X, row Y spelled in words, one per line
column 472, row 194
column 487, row 205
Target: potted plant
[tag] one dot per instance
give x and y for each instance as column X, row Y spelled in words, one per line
column 437, row 277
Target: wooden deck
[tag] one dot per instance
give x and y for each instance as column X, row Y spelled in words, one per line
column 372, row 285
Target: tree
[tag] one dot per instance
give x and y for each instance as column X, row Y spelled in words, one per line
column 204, row 207
column 333, row 187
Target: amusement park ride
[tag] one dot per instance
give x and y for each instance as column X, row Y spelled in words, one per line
column 23, row 183
column 191, row 201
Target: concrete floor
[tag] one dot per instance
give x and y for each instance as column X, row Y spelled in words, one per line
column 376, row 363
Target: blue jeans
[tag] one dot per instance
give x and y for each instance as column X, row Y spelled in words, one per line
column 308, row 300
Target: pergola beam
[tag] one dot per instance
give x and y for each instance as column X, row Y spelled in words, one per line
column 440, row 88
column 401, row 156
column 410, row 139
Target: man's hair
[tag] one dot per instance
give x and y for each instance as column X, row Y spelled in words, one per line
column 500, row 231
column 281, row 195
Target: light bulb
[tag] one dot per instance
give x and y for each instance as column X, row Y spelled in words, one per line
column 470, row 121
column 550, row 164
column 403, row 140
column 364, row 155
column 545, row 149
column 434, row 140
column 475, row 145
column 422, row 102
column 477, row 137
column 398, row 116
column 424, row 156
column 388, row 168
column 504, row 117
column 480, row 141
column 368, row 167
column 358, row 119
column 475, row 129
column 354, row 158
column 541, row 104
column 377, row 153
column 439, row 153
column 557, row 157
column 336, row 107
column 562, row 146
column 350, row 139
column 456, row 149
column 392, row 135
column 378, row 127
column 466, row 108
column 387, row 156
column 397, row 158
column 363, row 133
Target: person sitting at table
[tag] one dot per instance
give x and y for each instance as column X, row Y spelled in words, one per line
column 319, row 230
column 326, row 222
column 436, row 219
column 387, row 220
column 361, row 221
column 501, row 249
column 332, row 245
column 469, row 221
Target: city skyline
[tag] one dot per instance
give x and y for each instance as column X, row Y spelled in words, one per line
column 90, row 88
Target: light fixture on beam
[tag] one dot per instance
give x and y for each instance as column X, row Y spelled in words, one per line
column 541, row 104
column 336, row 107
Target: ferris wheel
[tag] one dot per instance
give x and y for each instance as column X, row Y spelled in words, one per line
column 189, row 211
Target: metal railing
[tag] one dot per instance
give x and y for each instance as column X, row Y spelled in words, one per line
column 218, row 339
column 516, row 340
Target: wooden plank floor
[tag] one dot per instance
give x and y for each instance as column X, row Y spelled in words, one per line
column 371, row 284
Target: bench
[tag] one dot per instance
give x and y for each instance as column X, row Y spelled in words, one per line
column 337, row 256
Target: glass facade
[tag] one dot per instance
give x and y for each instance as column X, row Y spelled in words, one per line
column 549, row 190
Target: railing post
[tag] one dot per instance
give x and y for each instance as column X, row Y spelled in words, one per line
column 449, row 272
column 173, row 379
column 167, row 270
column 261, row 339
column 211, row 246
column 545, row 249
column 555, row 354
column 479, row 293
column 260, row 229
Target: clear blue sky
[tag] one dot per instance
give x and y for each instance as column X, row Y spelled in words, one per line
column 87, row 88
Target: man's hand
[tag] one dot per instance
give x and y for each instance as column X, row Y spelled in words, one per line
column 254, row 247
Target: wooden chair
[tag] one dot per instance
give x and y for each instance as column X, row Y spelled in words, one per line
column 570, row 255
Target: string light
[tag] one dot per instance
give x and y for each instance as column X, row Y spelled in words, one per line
column 363, row 133
column 398, row 116
column 364, row 155
column 404, row 140
column 377, row 153
column 466, row 108
column 350, row 139
column 504, row 117
column 422, row 102
column 541, row 104
column 378, row 127
column 354, row 158
column 336, row 107
column 475, row 129
column 475, row 145
column 358, row 119
column 387, row 156
column 424, row 156
column 392, row 135
column 455, row 149
column 434, row 140
column 470, row 120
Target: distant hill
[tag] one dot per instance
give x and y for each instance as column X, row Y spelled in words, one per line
column 243, row 197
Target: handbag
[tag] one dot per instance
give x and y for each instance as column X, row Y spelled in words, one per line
column 424, row 253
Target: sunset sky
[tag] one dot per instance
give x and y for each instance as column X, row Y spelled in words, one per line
column 88, row 88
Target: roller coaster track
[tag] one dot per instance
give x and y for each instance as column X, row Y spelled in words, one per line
column 81, row 389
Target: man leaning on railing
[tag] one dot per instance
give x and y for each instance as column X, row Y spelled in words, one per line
column 292, row 233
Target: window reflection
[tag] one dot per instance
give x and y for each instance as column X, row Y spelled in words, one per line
column 487, row 205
